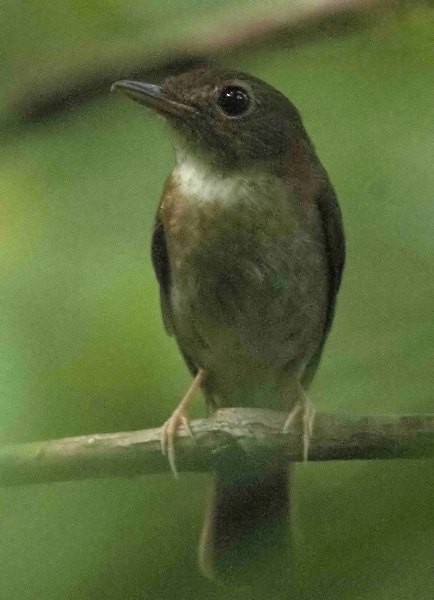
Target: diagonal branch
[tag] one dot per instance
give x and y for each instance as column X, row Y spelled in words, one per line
column 230, row 436
column 215, row 33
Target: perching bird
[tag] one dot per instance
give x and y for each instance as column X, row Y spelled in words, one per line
column 248, row 249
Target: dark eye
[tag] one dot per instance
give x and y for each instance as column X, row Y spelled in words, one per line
column 234, row 101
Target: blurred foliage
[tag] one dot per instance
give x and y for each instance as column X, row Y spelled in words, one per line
column 52, row 49
column 82, row 344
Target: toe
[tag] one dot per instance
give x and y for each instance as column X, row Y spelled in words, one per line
column 171, row 453
column 290, row 418
column 186, row 423
column 168, row 435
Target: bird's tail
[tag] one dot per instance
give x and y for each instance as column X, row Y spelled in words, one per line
column 245, row 537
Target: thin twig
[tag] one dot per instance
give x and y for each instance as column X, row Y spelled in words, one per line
column 232, row 435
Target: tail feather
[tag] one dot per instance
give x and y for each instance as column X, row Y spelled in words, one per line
column 246, row 531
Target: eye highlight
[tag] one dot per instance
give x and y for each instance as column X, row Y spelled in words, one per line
column 234, row 101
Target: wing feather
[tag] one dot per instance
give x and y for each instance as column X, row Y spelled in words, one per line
column 331, row 218
column 160, row 261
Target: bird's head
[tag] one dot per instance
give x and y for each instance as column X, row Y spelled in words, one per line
column 230, row 119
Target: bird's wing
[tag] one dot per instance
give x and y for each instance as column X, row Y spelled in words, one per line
column 331, row 218
column 160, row 261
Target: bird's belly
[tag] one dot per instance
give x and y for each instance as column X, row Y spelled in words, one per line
column 249, row 300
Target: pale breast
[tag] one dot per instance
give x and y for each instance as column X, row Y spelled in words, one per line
column 249, row 278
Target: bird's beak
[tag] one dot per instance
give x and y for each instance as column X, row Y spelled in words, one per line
column 152, row 95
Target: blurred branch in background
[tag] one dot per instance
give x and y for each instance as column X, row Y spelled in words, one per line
column 61, row 83
column 231, row 436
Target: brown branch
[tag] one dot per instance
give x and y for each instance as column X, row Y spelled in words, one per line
column 57, row 85
column 231, row 436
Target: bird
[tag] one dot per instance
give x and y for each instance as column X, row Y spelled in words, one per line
column 248, row 248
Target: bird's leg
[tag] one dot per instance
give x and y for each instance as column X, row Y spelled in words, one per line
column 179, row 418
column 307, row 410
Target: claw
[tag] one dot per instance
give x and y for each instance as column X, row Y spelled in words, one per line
column 168, row 434
column 307, row 409
column 177, row 420
column 186, row 424
column 308, row 421
column 290, row 418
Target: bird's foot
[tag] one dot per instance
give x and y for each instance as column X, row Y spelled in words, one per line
column 179, row 418
column 307, row 410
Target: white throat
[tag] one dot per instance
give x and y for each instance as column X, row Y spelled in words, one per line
column 201, row 182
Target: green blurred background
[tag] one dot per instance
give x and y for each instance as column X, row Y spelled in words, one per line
column 82, row 345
